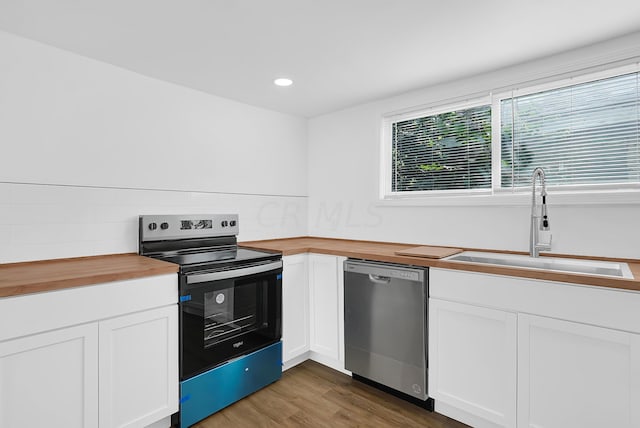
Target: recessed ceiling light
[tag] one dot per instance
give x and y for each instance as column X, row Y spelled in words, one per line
column 283, row 82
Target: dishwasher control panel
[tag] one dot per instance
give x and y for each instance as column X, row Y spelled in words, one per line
column 384, row 270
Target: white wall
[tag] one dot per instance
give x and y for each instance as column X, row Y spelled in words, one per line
column 344, row 177
column 86, row 147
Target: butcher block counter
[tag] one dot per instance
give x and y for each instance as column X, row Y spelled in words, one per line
column 387, row 252
column 49, row 275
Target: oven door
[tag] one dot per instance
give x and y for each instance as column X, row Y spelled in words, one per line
column 229, row 313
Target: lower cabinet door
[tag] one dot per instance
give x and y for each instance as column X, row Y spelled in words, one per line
column 324, row 309
column 139, row 368
column 295, row 306
column 472, row 363
column 576, row 375
column 50, row 379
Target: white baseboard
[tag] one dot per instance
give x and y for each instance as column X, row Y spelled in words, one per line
column 329, row 362
column 162, row 423
column 286, row 365
column 462, row 416
column 332, row 363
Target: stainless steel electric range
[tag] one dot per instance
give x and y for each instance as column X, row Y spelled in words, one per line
column 230, row 309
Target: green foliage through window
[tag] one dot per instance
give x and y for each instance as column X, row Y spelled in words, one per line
column 448, row 151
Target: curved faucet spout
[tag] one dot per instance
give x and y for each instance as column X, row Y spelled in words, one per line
column 539, row 221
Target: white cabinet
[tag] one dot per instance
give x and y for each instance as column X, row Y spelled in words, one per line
column 323, row 288
column 576, row 375
column 326, row 290
column 472, row 358
column 295, row 309
column 138, row 367
column 50, row 379
column 103, row 356
column 313, row 309
column 575, row 352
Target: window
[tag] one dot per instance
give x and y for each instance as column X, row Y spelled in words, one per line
column 585, row 136
column 446, row 151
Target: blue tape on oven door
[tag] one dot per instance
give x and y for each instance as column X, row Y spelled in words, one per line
column 185, row 298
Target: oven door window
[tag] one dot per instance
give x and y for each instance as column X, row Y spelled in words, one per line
column 229, row 312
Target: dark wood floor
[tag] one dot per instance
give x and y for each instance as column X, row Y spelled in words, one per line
column 312, row 395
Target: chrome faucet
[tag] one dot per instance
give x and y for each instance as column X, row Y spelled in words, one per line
column 538, row 221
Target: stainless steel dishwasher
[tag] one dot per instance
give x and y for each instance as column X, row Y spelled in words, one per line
column 386, row 326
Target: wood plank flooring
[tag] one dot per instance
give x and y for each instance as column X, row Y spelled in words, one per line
column 312, row 395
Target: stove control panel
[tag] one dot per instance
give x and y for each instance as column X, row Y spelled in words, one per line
column 160, row 227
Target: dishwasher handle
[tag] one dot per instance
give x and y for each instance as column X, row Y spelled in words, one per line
column 378, row 279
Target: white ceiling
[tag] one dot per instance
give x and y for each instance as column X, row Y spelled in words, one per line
column 339, row 52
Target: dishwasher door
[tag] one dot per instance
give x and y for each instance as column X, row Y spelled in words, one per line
column 386, row 325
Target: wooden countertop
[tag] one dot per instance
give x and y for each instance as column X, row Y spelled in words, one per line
column 385, row 252
column 49, row 275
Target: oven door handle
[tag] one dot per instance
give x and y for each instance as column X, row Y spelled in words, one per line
column 234, row 273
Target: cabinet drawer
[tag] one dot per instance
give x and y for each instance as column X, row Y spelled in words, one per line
column 79, row 305
column 213, row 390
column 601, row 306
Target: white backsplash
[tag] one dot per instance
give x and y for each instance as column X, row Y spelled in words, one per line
column 47, row 221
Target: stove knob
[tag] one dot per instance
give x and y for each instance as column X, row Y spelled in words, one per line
column 153, row 226
column 164, row 226
column 233, row 223
column 224, row 223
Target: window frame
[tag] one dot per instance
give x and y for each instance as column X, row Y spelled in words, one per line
column 387, row 155
column 498, row 195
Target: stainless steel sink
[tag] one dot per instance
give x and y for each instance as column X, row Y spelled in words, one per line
column 557, row 264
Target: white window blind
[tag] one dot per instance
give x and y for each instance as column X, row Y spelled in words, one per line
column 584, row 134
column 448, row 151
